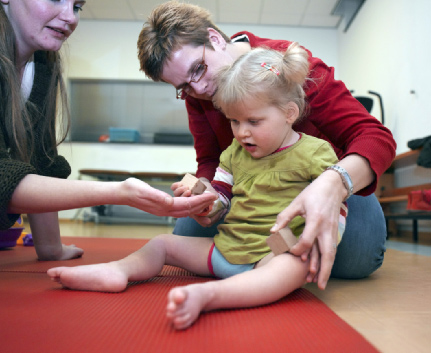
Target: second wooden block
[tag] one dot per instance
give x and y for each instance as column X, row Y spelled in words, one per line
column 281, row 241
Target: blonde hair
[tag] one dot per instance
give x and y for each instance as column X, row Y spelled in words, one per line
column 270, row 76
column 169, row 26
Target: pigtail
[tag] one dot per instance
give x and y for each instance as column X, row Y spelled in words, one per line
column 295, row 65
column 294, row 69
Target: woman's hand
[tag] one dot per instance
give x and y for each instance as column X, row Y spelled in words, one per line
column 58, row 253
column 319, row 204
column 141, row 195
column 70, row 252
column 314, row 264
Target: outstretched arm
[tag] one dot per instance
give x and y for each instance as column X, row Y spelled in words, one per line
column 38, row 194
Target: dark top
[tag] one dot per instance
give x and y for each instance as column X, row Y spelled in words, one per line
column 13, row 171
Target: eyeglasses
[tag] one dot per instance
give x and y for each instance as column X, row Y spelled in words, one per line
column 198, row 72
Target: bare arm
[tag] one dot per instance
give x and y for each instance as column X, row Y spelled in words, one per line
column 359, row 170
column 46, row 237
column 41, row 197
column 38, row 194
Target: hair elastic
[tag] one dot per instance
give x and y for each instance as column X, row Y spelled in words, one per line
column 270, row 68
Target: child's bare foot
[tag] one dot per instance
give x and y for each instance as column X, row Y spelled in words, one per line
column 106, row 277
column 186, row 303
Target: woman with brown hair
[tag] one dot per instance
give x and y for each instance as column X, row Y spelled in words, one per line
column 32, row 96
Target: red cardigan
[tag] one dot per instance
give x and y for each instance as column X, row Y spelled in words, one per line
column 334, row 115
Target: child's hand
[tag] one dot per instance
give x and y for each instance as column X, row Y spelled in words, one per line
column 212, row 210
column 206, row 221
column 213, row 213
column 207, row 216
column 180, row 190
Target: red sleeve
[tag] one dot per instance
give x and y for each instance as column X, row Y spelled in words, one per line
column 340, row 119
column 337, row 117
column 223, row 188
column 211, row 132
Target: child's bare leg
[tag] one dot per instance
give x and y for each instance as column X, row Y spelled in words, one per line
column 266, row 284
column 143, row 264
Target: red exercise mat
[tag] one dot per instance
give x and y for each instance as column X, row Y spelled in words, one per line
column 38, row 316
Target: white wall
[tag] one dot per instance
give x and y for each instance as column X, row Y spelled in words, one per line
column 387, row 50
column 322, row 42
column 104, row 50
column 108, row 49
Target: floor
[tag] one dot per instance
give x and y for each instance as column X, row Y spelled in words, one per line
column 391, row 308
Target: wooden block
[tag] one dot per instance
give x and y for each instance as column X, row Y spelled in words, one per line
column 281, row 241
column 196, row 186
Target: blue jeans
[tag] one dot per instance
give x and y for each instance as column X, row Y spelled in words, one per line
column 361, row 250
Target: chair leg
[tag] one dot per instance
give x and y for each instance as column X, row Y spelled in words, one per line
column 415, row 230
column 387, row 228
